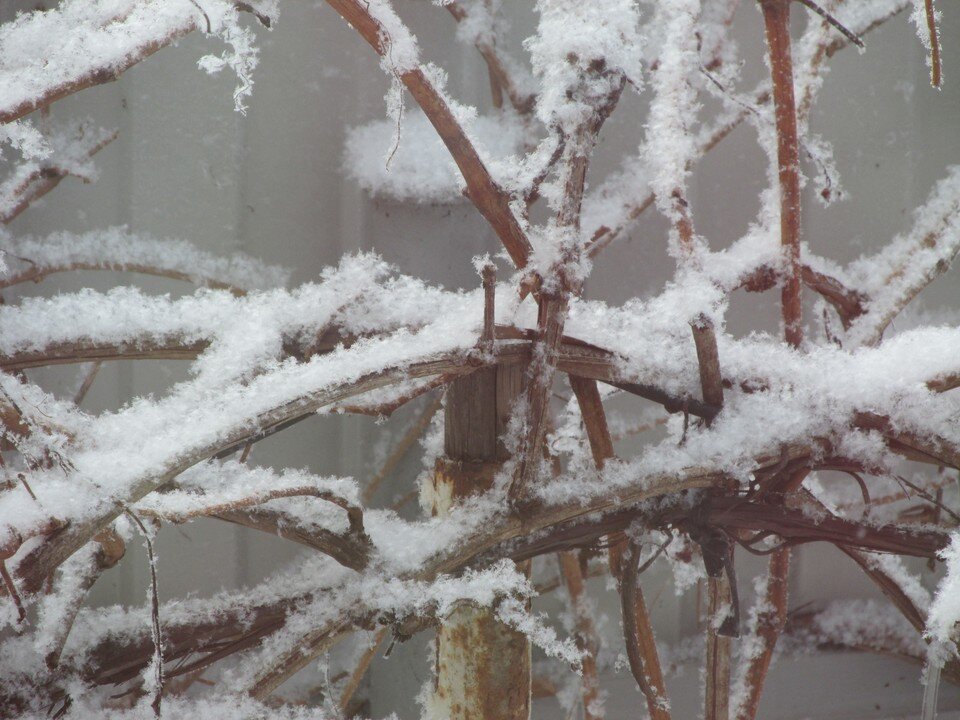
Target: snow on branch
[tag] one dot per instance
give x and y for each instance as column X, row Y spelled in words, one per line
column 214, row 487
column 896, row 275
column 69, row 155
column 30, row 259
column 48, row 55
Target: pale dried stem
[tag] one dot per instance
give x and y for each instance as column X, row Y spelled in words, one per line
column 586, row 634
column 931, row 17
column 717, row 696
column 36, row 273
column 356, row 677
column 401, row 449
column 158, row 674
column 500, row 77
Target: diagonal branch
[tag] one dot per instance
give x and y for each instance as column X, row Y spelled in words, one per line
column 40, row 181
column 492, row 201
column 499, row 67
column 638, row 632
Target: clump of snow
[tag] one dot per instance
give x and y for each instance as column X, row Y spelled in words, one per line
column 580, row 52
column 420, row 169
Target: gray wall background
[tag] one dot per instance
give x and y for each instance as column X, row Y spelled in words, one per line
column 186, row 165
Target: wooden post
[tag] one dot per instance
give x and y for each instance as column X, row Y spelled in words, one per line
column 483, row 667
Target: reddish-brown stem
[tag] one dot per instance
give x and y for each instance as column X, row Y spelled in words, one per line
column 594, row 419
column 708, row 358
column 776, row 18
column 638, row 630
column 605, row 235
column 717, row 695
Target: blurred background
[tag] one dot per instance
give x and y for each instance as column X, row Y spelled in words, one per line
column 270, row 183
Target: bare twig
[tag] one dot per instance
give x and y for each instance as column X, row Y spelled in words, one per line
column 401, row 449
column 38, row 184
column 361, row 669
column 831, row 20
column 586, row 634
column 717, row 697
column 769, row 624
column 154, row 617
column 501, row 78
column 638, row 632
column 930, row 14
column 87, row 382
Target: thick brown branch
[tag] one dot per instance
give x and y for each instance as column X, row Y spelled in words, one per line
column 350, row 550
column 776, row 17
column 708, row 359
